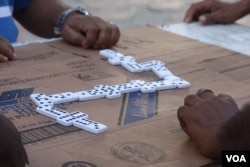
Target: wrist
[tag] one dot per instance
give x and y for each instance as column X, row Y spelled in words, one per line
column 65, row 14
column 212, row 148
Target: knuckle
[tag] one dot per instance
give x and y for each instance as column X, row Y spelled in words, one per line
column 189, row 97
column 190, row 100
column 95, row 29
column 225, row 97
column 180, row 110
column 193, row 5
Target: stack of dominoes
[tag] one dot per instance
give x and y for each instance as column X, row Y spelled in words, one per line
column 45, row 104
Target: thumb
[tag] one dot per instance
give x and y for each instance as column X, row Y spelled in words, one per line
column 207, row 19
column 217, row 17
column 204, row 19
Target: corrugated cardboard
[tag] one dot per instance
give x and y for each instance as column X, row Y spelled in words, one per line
column 143, row 129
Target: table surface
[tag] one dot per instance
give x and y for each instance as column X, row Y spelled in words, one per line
column 234, row 37
column 136, row 122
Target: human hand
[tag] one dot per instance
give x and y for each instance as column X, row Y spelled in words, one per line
column 90, row 32
column 6, row 50
column 214, row 12
column 202, row 116
column 12, row 152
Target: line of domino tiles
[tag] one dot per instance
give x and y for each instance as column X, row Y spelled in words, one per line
column 45, row 103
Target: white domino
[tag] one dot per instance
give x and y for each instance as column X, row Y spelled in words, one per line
column 127, row 58
column 112, row 93
column 148, row 65
column 41, row 99
column 67, row 120
column 137, row 82
column 116, row 60
column 108, row 53
column 161, row 72
column 63, row 97
column 126, row 88
column 90, row 94
column 102, row 87
column 43, row 109
column 51, row 112
column 37, row 96
column 69, row 96
column 147, row 88
column 109, row 92
column 45, row 101
column 56, row 98
column 163, row 85
column 90, row 126
column 132, row 66
column 121, row 58
column 179, row 82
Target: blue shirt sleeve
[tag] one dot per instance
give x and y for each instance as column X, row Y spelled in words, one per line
column 19, row 4
column 8, row 28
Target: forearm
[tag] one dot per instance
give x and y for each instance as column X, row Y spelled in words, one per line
column 235, row 134
column 39, row 19
column 244, row 7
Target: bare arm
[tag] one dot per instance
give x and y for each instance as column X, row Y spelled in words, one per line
column 235, row 134
column 41, row 16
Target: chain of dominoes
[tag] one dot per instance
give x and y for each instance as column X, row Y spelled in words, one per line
column 45, row 103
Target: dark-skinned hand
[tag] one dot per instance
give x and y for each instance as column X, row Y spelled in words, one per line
column 202, row 116
column 6, row 50
column 216, row 12
column 90, row 32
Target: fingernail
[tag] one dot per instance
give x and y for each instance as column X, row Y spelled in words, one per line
column 181, row 108
column 84, row 45
column 5, row 58
column 202, row 19
column 14, row 55
column 187, row 20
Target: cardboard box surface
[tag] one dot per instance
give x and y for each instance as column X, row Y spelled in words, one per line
column 143, row 129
